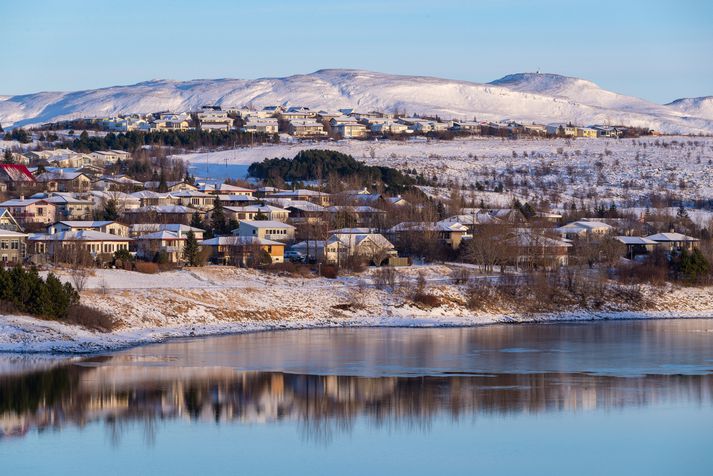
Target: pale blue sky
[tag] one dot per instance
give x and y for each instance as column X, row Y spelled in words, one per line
column 658, row 50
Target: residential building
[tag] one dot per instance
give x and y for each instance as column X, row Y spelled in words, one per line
column 267, row 229
column 320, row 198
column 8, row 222
column 31, row 211
column 352, row 130
column 171, row 243
column 562, row 129
column 371, row 247
column 584, row 227
column 250, row 212
column 69, row 207
column 244, row 250
column 139, row 229
column 671, row 241
column 195, row 199
column 17, row 178
column 99, row 245
column 212, row 120
column 62, row 181
column 304, row 128
column 12, row 247
column 105, row 226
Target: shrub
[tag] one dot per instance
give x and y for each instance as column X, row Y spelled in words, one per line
column 90, row 318
column 330, row 271
column 427, row 299
column 146, row 267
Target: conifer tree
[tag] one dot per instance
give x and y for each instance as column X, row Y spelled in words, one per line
column 191, row 252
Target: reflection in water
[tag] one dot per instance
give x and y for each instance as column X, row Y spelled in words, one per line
column 121, row 395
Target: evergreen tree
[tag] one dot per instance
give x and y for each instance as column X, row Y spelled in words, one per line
column 111, row 211
column 681, row 213
column 7, row 157
column 693, row 266
column 218, row 223
column 191, row 251
column 196, row 221
column 162, row 185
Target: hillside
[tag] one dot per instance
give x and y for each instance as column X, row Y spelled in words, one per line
column 698, row 107
column 525, row 97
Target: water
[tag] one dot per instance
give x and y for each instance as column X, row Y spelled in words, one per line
column 217, row 173
column 630, row 397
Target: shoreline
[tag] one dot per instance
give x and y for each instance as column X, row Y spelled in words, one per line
column 214, row 301
column 90, row 343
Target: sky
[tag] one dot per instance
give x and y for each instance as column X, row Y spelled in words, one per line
column 658, row 50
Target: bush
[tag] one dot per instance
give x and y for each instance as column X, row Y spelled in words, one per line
column 330, row 271
column 146, row 267
column 427, row 299
column 90, row 318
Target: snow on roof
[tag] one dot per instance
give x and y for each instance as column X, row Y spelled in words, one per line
column 671, row 237
column 162, row 235
column 11, row 234
column 80, row 235
column 18, row 202
column 153, row 227
column 239, row 241
column 164, row 209
column 85, row 223
column 61, row 175
column 636, row 240
column 266, row 224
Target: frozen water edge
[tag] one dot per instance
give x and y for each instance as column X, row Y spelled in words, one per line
column 28, row 335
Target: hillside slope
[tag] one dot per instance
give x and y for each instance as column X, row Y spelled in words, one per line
column 525, row 97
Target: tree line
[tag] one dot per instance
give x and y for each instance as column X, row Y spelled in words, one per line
column 25, row 291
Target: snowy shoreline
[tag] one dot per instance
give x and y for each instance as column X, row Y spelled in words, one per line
column 73, row 340
column 212, row 301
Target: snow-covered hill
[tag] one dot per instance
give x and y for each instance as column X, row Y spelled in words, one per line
column 698, row 107
column 526, row 97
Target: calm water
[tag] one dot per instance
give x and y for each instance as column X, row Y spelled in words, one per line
column 219, row 172
column 587, row 399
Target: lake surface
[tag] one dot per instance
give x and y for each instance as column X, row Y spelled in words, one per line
column 214, row 172
column 597, row 398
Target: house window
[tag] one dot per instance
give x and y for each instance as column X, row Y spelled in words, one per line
column 4, row 245
column 15, row 245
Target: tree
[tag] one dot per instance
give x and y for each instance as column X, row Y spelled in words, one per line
column 111, row 211
column 196, row 221
column 218, row 222
column 162, row 185
column 693, row 266
column 192, row 250
column 7, row 157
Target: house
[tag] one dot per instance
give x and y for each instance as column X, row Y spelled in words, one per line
column 194, row 199
column 304, row 212
column 244, row 250
column 236, row 200
column 62, row 181
column 583, row 227
column 99, row 245
column 352, row 130
column 161, row 214
column 320, row 198
column 562, row 129
column 360, row 215
column 30, row 211
column 8, row 222
column 297, row 113
column 450, row 234
column 105, row 157
column 225, row 189
column 171, row 186
column 261, row 126
column 108, row 227
column 123, row 201
column 212, row 120
column 16, row 177
column 372, row 247
column 170, row 122
column 671, row 241
column 389, row 127
column 150, row 198
column 586, row 132
column 170, row 243
column 117, row 183
column 139, row 229
column 636, row 245
column 466, row 126
column 12, row 247
column 528, row 248
column 250, row 212
column 267, row 229
column 608, row 131
column 69, row 207
column 306, row 129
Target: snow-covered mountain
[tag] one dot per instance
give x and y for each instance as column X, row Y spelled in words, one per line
column 530, row 97
column 698, row 107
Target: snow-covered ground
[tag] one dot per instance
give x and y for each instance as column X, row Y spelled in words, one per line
column 215, row 300
column 559, row 170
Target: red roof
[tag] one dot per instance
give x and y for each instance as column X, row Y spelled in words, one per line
column 16, row 173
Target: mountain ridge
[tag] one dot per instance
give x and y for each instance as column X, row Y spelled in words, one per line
column 530, row 97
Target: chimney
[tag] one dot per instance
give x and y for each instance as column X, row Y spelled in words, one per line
column 22, row 197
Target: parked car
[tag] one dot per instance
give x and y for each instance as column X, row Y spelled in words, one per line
column 294, row 256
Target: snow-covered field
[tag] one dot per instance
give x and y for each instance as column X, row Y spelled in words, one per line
column 559, row 170
column 215, row 300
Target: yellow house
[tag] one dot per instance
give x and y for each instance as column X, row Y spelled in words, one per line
column 586, row 132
